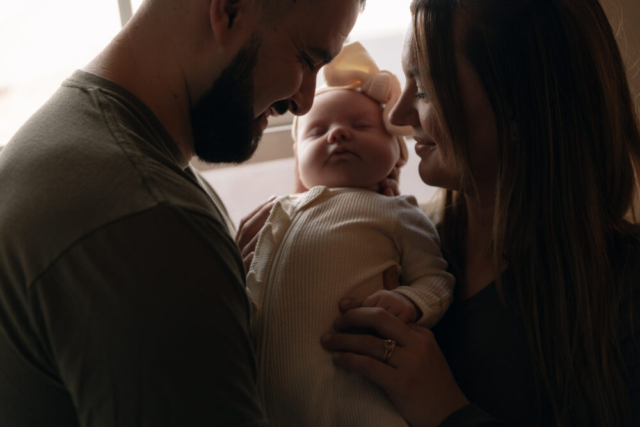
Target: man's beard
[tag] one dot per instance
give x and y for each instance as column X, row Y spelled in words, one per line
column 223, row 123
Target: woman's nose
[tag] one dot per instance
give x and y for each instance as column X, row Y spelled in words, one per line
column 404, row 113
column 339, row 133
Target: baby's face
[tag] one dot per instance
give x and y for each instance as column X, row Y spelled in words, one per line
column 342, row 142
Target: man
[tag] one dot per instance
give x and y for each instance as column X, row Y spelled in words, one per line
column 122, row 298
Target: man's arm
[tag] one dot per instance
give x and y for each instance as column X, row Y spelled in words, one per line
column 147, row 322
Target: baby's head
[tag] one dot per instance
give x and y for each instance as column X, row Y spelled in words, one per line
column 346, row 139
column 343, row 142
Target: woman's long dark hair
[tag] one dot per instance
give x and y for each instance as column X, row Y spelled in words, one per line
column 567, row 191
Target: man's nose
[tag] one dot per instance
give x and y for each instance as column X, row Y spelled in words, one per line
column 302, row 101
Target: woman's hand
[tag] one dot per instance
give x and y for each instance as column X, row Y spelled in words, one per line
column 390, row 186
column 249, row 230
column 416, row 376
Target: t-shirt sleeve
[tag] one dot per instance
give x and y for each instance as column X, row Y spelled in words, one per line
column 424, row 270
column 147, row 323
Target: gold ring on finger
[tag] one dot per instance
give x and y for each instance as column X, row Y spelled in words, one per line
column 389, row 347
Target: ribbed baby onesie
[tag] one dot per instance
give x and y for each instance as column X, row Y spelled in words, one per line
column 315, row 249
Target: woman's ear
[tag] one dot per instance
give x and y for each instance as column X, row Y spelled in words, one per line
column 232, row 20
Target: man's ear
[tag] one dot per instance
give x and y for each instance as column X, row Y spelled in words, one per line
column 231, row 19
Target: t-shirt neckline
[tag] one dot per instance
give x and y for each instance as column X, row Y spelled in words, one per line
column 87, row 79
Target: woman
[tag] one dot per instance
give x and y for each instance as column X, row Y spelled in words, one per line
column 522, row 112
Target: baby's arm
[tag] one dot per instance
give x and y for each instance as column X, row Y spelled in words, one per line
column 395, row 303
column 424, row 271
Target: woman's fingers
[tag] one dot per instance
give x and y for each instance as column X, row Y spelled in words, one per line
column 378, row 319
column 371, row 300
column 421, row 330
column 349, row 304
column 364, row 344
column 251, row 225
column 390, row 186
column 375, row 370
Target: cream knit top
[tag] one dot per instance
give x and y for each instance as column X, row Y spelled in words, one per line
column 315, row 249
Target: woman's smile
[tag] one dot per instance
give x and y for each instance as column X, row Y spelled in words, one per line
column 423, row 146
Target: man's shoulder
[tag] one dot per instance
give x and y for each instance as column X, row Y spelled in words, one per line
column 68, row 173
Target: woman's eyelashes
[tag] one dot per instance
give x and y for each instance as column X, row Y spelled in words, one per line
column 421, row 93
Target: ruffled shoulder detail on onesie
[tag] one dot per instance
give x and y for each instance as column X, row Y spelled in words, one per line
column 280, row 219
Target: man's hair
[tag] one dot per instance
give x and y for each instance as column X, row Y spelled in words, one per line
column 274, row 9
column 363, row 3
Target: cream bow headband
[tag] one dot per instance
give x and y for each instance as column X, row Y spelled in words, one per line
column 355, row 69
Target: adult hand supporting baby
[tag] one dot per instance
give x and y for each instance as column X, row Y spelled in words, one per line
column 416, row 377
column 390, row 186
column 249, row 230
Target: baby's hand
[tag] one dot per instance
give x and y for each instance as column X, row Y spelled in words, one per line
column 395, row 303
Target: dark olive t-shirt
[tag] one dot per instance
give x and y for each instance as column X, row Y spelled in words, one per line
column 122, row 296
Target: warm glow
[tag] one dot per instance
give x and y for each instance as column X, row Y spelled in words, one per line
column 42, row 42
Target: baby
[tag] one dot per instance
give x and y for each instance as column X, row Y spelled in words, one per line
column 334, row 242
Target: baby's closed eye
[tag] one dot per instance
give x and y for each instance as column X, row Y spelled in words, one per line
column 315, row 131
column 362, row 124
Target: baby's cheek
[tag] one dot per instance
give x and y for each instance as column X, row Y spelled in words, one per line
column 387, row 160
column 309, row 170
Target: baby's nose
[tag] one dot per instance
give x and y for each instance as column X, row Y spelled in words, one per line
column 339, row 133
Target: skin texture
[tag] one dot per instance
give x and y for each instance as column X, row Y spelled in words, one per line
column 342, row 142
column 437, row 163
column 417, row 378
column 295, row 49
